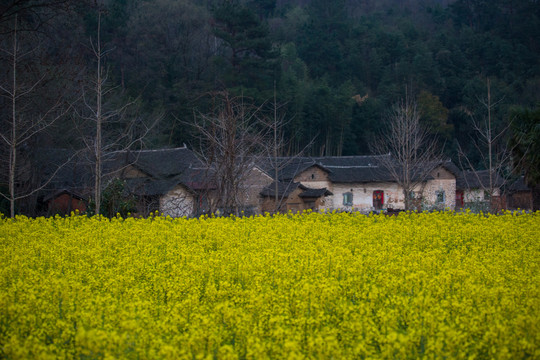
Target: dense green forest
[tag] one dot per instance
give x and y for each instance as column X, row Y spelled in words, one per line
column 334, row 67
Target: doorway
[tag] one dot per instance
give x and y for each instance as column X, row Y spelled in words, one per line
column 378, row 199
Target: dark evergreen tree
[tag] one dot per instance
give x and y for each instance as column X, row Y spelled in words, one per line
column 525, row 142
column 321, row 41
column 245, row 54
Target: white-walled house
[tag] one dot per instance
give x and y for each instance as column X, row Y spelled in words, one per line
column 473, row 190
column 360, row 183
column 176, row 183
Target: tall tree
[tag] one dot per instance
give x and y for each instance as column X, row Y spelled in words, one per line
column 525, row 145
column 434, row 116
column 246, row 50
column 24, row 124
column 491, row 142
column 231, row 139
column 322, row 41
column 414, row 152
column 112, row 131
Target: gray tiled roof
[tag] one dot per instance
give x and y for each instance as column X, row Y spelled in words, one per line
column 315, row 193
column 284, row 189
column 166, row 168
column 339, row 168
column 360, row 174
column 150, row 186
column 477, row 180
column 519, row 185
column 345, row 169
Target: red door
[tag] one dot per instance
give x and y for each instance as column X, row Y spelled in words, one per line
column 378, row 199
column 459, row 198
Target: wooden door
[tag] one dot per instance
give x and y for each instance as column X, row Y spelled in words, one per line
column 378, row 199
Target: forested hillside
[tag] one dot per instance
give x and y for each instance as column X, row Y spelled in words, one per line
column 335, row 67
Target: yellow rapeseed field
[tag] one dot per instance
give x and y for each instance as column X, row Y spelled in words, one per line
column 316, row 286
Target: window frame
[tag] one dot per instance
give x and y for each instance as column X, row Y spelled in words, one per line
column 348, row 196
column 438, row 194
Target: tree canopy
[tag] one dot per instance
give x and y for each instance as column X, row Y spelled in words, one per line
column 319, row 56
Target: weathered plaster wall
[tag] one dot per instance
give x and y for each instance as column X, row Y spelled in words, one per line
column 292, row 202
column 474, row 195
column 254, row 184
column 314, row 178
column 434, row 187
column 177, row 202
column 363, row 196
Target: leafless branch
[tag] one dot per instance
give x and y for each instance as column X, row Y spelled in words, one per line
column 414, row 153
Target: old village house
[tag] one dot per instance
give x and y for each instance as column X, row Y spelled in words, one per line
column 176, row 183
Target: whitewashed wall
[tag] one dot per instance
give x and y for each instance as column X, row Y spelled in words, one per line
column 363, row 196
column 474, row 195
column 442, row 180
column 435, row 186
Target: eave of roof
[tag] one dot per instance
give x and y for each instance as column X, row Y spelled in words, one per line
column 315, row 193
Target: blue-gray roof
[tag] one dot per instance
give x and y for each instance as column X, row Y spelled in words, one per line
column 165, row 168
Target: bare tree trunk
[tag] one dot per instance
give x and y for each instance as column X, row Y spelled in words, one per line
column 498, row 153
column 100, row 114
column 21, row 128
column 275, row 148
column 489, row 141
column 99, row 121
column 231, row 138
column 413, row 152
column 13, row 145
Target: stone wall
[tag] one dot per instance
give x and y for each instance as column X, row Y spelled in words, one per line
column 177, row 202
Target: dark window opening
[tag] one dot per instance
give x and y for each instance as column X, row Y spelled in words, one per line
column 440, row 197
column 348, row 199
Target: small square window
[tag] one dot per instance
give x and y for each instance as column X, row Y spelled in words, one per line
column 348, row 199
column 440, row 197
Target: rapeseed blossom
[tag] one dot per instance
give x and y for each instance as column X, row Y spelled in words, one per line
column 312, row 285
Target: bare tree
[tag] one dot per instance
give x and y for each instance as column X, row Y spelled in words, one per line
column 23, row 125
column 413, row 152
column 276, row 125
column 495, row 154
column 276, row 147
column 112, row 133
column 37, row 12
column 231, row 138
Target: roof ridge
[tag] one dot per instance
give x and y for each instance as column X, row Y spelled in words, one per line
column 351, row 166
column 162, row 149
column 348, row 156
